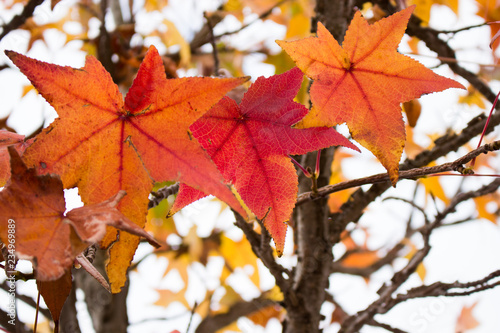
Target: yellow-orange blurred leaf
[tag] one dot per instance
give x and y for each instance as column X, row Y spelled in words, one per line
column 335, row 200
column 482, row 211
column 421, row 270
column 423, row 9
column 473, row 97
column 173, row 37
column 433, row 186
column 238, row 254
column 262, row 316
column 230, row 297
column 151, row 5
column 466, row 320
column 361, row 259
column 167, row 297
column 412, row 110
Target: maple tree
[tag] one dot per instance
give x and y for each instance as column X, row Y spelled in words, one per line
column 268, row 151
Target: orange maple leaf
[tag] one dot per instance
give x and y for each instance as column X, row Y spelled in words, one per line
column 363, row 83
column 103, row 144
column 33, row 206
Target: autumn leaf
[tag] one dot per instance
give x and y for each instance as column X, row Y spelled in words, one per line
column 173, row 37
column 482, row 207
column 262, row 316
column 412, row 109
column 9, row 139
column 490, row 12
column 358, row 256
column 167, row 297
column 250, row 143
column 103, row 144
column 238, row 254
column 466, row 320
column 336, row 199
column 421, row 270
column 43, row 232
column 423, row 8
column 473, row 97
column 362, row 259
column 364, row 82
column 54, row 294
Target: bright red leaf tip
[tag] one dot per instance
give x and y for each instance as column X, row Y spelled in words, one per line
column 250, row 143
column 364, row 81
column 103, row 144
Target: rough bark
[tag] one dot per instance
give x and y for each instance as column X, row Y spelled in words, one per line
column 314, row 249
column 69, row 322
column 108, row 311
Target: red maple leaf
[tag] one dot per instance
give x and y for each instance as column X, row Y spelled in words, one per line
column 250, row 144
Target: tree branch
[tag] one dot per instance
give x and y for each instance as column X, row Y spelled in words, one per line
column 457, row 165
column 446, row 289
column 386, row 302
column 212, row 324
column 162, row 194
column 263, row 251
column 18, row 20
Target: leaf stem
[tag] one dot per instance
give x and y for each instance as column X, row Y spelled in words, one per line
column 317, row 169
column 462, row 175
column 306, row 173
column 36, row 312
column 485, row 127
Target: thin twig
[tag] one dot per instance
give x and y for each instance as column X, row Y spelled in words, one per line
column 413, row 204
column 193, row 311
column 212, row 42
column 261, row 17
column 457, row 165
column 459, row 30
column 20, row 19
column 385, row 326
column 264, row 252
column 162, row 194
column 386, row 301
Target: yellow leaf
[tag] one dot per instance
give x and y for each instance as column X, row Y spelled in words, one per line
column 473, row 97
column 27, row 89
column 433, row 186
column 230, row 297
column 361, row 259
column 335, row 200
column 481, row 203
column 421, row 270
column 233, row 327
column 173, row 37
column 262, row 316
column 238, row 254
column 151, row 5
column 299, row 24
column 423, row 10
column 167, row 297
column 412, row 109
